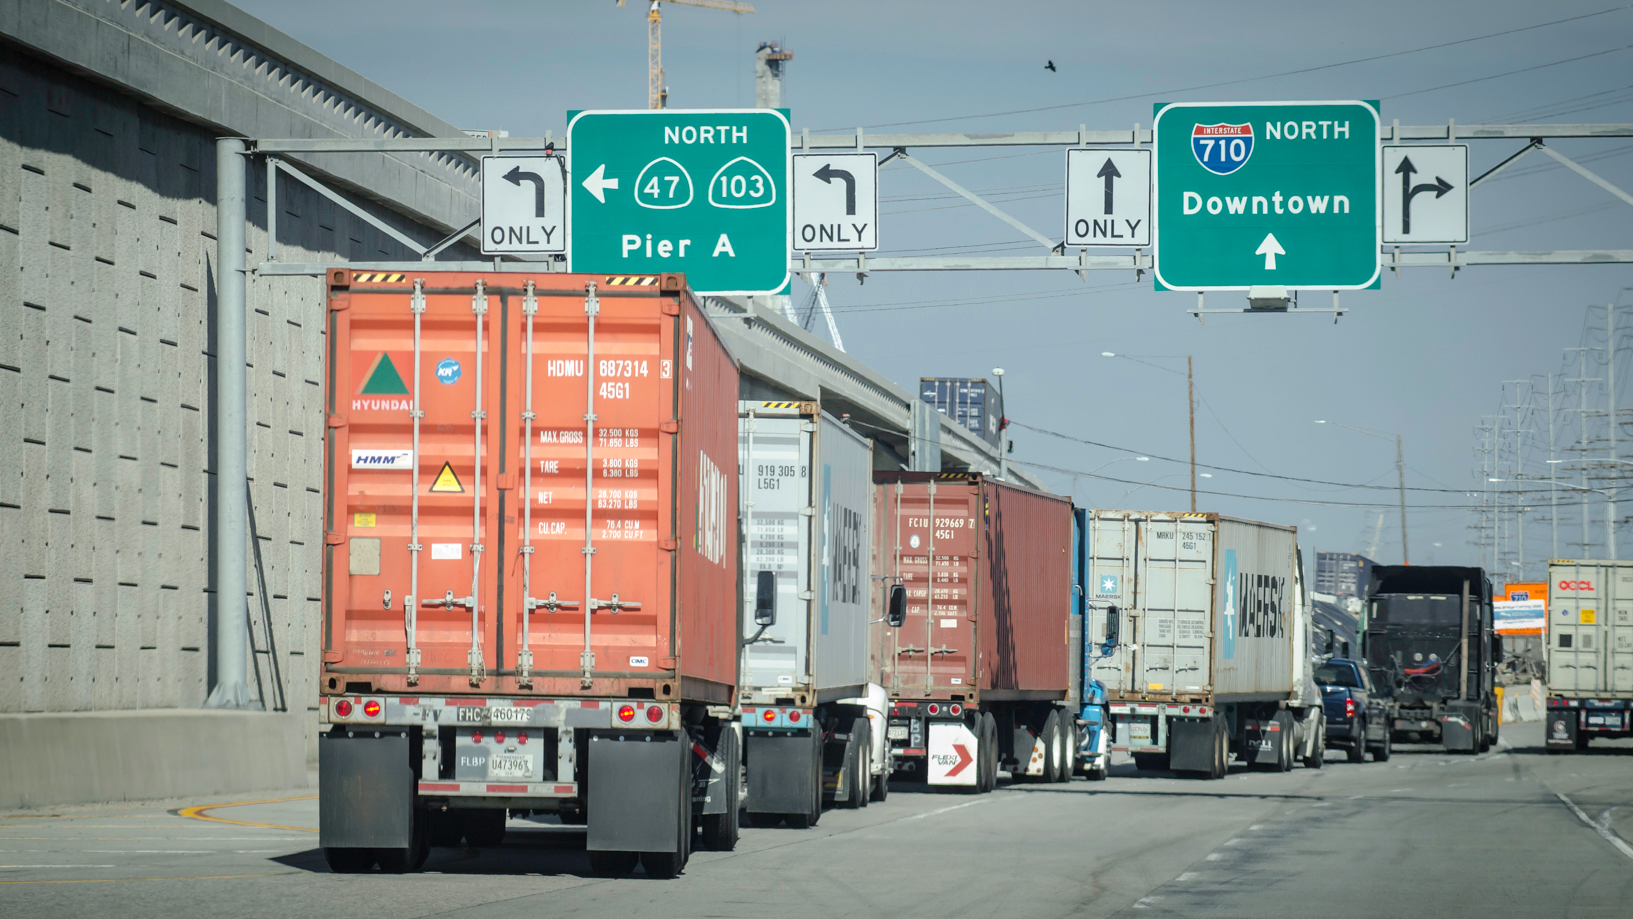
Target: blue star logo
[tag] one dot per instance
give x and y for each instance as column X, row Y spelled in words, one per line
column 1108, row 584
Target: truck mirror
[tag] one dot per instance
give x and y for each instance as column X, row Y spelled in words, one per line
column 1497, row 648
column 765, row 598
column 1331, row 641
column 1345, row 648
column 1113, row 624
column 896, row 614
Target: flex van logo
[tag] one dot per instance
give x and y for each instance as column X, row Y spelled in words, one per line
column 382, row 382
column 1222, row 148
column 447, row 371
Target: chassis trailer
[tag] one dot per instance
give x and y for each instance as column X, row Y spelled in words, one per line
column 530, row 567
column 978, row 671
column 1429, row 646
column 1590, row 653
column 1214, row 661
column 813, row 726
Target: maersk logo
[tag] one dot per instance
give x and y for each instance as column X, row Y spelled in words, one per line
column 382, row 459
column 1231, row 605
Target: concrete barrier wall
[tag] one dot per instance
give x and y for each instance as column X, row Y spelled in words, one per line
column 65, row 758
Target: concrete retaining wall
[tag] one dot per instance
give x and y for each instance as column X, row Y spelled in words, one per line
column 66, row 758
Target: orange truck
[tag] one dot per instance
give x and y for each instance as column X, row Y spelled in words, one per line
column 530, row 566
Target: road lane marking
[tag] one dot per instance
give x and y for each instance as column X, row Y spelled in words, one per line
column 31, row 867
column 1189, row 875
column 198, row 812
column 945, row 810
column 1212, row 856
column 207, row 877
column 1605, row 831
column 1256, row 826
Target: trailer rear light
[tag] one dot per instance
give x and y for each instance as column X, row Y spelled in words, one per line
column 476, row 737
column 956, row 709
column 343, row 708
column 935, row 709
column 1185, row 711
column 521, row 738
column 654, row 713
column 626, row 713
column 371, row 709
column 770, row 715
column 793, row 716
column 499, row 737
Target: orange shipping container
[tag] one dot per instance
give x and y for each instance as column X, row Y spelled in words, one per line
column 561, row 519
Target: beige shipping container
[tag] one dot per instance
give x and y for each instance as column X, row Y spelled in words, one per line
column 1590, row 629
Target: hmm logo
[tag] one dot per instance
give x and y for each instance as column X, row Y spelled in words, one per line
column 712, row 517
column 382, row 459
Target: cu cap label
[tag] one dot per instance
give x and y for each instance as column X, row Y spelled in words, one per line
column 447, row 371
column 1222, row 148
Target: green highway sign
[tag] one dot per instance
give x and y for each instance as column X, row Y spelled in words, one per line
column 1266, row 193
column 704, row 192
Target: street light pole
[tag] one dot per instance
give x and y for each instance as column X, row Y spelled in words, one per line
column 1190, row 404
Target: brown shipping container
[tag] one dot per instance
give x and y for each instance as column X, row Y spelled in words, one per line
column 988, row 588
column 616, row 470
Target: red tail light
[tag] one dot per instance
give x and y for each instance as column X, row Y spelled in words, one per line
column 770, row 715
column 343, row 708
column 521, row 738
column 476, row 737
column 935, row 709
column 654, row 713
column 793, row 716
column 956, row 709
column 499, row 737
column 1349, row 708
column 371, row 708
column 626, row 713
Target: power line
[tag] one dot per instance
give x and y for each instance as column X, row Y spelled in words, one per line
column 1226, row 494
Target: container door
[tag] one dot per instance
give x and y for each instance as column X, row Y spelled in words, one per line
column 1619, row 631
column 774, row 477
column 1110, row 581
column 418, row 507
column 1577, row 600
column 1176, row 555
column 592, row 583
column 933, row 653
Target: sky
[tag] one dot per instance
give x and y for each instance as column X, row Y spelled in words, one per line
column 1425, row 356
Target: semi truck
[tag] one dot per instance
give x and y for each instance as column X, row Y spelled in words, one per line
column 1207, row 641
column 813, row 724
column 1428, row 642
column 975, row 578
column 530, row 567
column 1590, row 653
column 1092, row 750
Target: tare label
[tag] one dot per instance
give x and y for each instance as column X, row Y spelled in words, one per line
column 1266, row 193
column 704, row 192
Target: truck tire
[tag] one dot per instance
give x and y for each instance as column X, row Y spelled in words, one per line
column 1381, row 752
column 1356, row 752
column 1289, row 747
column 809, row 818
column 1151, row 762
column 881, row 785
column 986, row 756
column 447, row 829
column 485, row 828
column 1067, row 746
column 671, row 864
column 613, row 864
column 720, row 831
column 1318, row 756
column 1221, row 753
column 412, row 858
column 349, row 861
column 1050, row 736
column 856, row 765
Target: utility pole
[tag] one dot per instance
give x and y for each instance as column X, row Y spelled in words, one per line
column 1553, row 480
column 1610, row 395
column 1400, row 471
column 1190, row 404
column 1582, row 382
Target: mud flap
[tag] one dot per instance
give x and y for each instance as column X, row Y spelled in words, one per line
column 1261, row 740
column 1190, row 744
column 714, row 782
column 952, row 754
column 1460, row 727
column 782, row 770
column 365, row 792
column 635, row 788
column 1561, row 726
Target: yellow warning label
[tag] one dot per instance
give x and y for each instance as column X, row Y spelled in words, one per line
column 447, row 481
column 1587, row 617
column 362, row 520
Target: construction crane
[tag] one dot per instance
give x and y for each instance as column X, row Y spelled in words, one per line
column 657, row 95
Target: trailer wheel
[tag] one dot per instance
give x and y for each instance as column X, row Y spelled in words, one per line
column 989, row 749
column 1318, row 754
column 810, row 818
column 1065, row 746
column 412, row 858
column 1050, row 736
column 1221, row 751
column 671, row 864
column 720, row 831
column 861, row 764
column 613, row 864
column 349, row 861
column 1289, row 748
column 881, row 782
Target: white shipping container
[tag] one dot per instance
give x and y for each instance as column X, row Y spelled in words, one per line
column 1590, row 629
column 1208, row 606
column 805, row 482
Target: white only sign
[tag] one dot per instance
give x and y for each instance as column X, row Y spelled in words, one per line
column 836, row 202
column 1108, row 198
column 1426, row 194
column 951, row 753
column 524, row 205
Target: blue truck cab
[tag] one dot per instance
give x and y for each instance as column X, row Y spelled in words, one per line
column 1093, row 716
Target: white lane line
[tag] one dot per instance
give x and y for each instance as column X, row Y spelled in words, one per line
column 1145, row 902
column 1187, row 876
column 1212, row 856
column 1232, row 842
column 1605, row 831
column 33, row 867
column 945, row 810
column 1256, row 826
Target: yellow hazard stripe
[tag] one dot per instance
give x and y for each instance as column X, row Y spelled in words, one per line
column 631, row 281
column 377, row 277
column 779, row 405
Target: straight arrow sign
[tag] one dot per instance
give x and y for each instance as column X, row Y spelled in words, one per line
column 1409, row 191
column 1270, row 249
column 1108, row 172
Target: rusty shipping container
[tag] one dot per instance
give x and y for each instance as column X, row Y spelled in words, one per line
column 980, row 672
column 530, row 528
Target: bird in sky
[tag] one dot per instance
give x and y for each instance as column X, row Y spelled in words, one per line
column 1050, row 66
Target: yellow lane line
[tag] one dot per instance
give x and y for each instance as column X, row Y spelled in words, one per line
column 198, row 812
column 208, row 877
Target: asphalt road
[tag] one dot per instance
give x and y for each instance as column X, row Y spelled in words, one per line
column 1514, row 832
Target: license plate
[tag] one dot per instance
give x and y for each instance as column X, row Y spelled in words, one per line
column 1139, row 732
column 897, row 732
column 510, row 766
column 474, row 714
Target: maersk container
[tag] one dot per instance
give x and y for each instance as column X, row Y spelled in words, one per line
column 1212, row 647
column 1590, row 652
column 530, row 558
column 806, row 486
column 979, row 675
column 972, row 404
